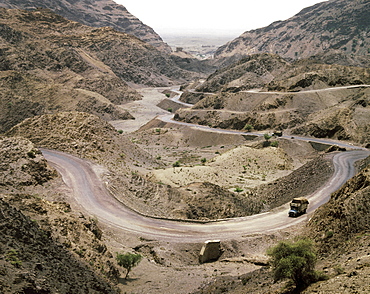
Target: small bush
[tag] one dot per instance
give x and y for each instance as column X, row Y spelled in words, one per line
column 128, row 261
column 13, row 258
column 329, row 234
column 274, row 144
column 176, row 164
column 267, row 137
column 294, row 261
column 248, row 127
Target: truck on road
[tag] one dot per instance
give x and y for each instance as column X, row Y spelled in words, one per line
column 298, row 206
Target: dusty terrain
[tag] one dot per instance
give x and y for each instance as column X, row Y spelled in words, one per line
column 95, row 13
column 54, row 70
column 50, row 64
column 168, row 265
column 335, row 28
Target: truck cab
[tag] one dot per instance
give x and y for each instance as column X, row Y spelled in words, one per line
column 298, row 206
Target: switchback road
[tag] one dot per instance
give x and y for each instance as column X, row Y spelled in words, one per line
column 91, row 194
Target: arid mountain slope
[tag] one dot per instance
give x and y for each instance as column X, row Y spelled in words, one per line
column 84, row 135
column 250, row 72
column 338, row 114
column 95, row 13
column 36, row 263
column 273, row 73
column 303, row 97
column 345, row 216
column 45, row 247
column 331, row 25
column 51, row 64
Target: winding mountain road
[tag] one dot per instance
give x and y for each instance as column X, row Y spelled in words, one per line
column 93, row 197
column 91, row 194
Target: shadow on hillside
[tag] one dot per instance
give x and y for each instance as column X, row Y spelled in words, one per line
column 124, row 281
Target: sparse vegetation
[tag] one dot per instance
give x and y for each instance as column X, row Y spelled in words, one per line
column 295, row 261
column 176, row 164
column 274, row 144
column 238, row 190
column 13, row 257
column 128, row 261
column 248, row 127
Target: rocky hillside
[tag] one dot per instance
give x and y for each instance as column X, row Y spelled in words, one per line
column 338, row 25
column 307, row 74
column 45, row 247
column 304, row 97
column 95, row 13
column 338, row 114
column 345, row 216
column 84, row 135
column 22, row 164
column 33, row 262
column 250, row 72
column 273, row 73
column 50, row 64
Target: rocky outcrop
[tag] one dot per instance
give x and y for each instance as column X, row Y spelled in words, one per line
column 347, row 121
column 331, row 25
column 345, row 215
column 22, row 164
column 95, row 13
column 310, row 75
column 35, row 263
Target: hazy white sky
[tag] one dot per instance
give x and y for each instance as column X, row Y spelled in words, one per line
column 207, row 16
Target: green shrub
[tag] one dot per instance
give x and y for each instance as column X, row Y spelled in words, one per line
column 329, row 234
column 294, row 261
column 267, row 137
column 274, row 144
column 176, row 164
column 13, row 258
column 128, row 261
column 248, row 127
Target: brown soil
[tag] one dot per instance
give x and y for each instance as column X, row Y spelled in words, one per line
column 167, row 266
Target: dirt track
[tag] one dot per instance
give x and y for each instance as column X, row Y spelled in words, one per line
column 91, row 194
